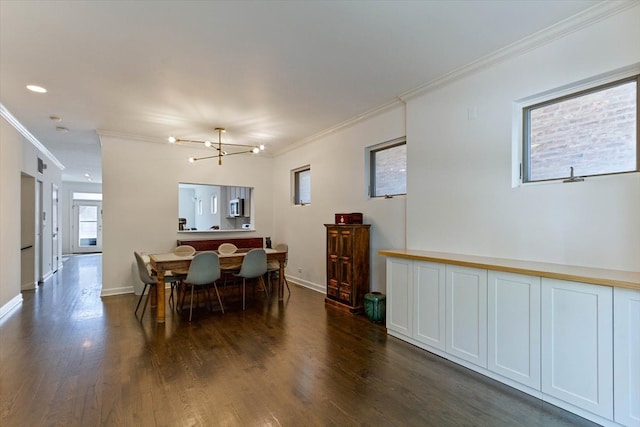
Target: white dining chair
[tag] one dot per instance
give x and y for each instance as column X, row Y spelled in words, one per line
column 149, row 280
column 204, row 271
column 274, row 266
column 254, row 265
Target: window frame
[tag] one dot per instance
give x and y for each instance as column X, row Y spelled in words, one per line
column 371, row 169
column 555, row 98
column 295, row 185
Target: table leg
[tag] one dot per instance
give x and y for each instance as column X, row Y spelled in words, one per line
column 160, row 295
column 281, row 281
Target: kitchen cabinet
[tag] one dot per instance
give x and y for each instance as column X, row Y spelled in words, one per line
column 466, row 314
column 514, row 327
column 429, row 303
column 399, row 303
column 626, row 350
column 347, row 265
column 577, row 345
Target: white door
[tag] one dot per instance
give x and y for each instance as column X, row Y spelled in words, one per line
column 466, row 313
column 87, row 228
column 400, row 296
column 626, row 350
column 514, row 327
column 577, row 344
column 55, row 248
column 429, row 300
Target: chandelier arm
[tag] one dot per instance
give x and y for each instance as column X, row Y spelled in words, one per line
column 237, row 152
column 195, row 159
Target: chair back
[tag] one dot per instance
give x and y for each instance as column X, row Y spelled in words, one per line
column 283, row 247
column 254, row 264
column 227, row 249
column 184, row 250
column 204, row 269
column 142, row 269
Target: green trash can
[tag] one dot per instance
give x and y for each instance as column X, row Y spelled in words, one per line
column 375, row 306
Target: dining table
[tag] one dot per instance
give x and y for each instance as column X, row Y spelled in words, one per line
column 163, row 262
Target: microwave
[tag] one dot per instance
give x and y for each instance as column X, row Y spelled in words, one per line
column 236, row 207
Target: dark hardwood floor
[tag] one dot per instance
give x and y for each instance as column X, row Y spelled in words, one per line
column 70, row 358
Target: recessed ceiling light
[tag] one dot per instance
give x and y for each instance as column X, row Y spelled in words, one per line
column 56, row 118
column 62, row 129
column 38, row 89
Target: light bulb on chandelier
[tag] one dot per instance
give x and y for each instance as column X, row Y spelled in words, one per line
column 230, row 149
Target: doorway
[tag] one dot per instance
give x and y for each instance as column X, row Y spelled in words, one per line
column 55, row 228
column 87, row 227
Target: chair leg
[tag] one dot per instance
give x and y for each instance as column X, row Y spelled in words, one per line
column 140, row 299
column 266, row 290
column 191, row 306
column 218, row 294
column 146, row 301
column 243, row 292
column 286, row 283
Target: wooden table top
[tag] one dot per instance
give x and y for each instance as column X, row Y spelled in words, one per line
column 596, row 276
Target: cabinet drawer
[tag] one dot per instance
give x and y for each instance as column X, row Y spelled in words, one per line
column 333, row 291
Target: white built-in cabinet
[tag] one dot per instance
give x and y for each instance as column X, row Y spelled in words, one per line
column 466, row 314
column 399, row 316
column 429, row 303
column 566, row 342
column 626, row 350
column 577, row 344
column 513, row 308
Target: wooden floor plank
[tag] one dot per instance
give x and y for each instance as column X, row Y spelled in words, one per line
column 68, row 357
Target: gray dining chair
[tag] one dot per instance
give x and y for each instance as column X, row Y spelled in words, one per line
column 254, row 265
column 185, row 251
column 274, row 266
column 149, row 280
column 204, row 271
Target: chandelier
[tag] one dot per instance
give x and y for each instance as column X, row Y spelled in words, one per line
column 222, row 149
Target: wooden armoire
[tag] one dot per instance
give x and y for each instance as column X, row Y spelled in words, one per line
column 347, row 265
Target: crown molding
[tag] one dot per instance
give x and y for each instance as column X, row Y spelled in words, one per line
column 555, row 32
column 6, row 114
column 340, row 126
column 111, row 134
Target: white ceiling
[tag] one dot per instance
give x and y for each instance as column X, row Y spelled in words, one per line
column 272, row 72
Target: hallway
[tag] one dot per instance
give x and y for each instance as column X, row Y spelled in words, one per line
column 70, row 358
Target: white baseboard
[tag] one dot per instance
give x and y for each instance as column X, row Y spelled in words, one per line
column 116, row 291
column 306, row 284
column 9, row 306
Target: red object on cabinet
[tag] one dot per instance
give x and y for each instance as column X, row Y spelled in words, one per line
column 349, row 218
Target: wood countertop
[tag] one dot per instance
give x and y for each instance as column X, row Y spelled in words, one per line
column 596, row 276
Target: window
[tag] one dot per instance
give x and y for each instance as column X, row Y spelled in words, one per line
column 388, row 169
column 302, row 185
column 87, row 196
column 591, row 132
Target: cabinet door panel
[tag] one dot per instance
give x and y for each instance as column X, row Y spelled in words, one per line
column 429, row 303
column 514, row 327
column 466, row 314
column 400, row 295
column 626, row 350
column 577, row 344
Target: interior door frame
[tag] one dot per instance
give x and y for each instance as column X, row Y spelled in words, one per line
column 75, row 247
column 55, row 227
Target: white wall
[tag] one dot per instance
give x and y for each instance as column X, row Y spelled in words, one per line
column 459, row 173
column 49, row 176
column 140, row 200
column 66, row 208
column 337, row 185
column 18, row 156
column 10, row 162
